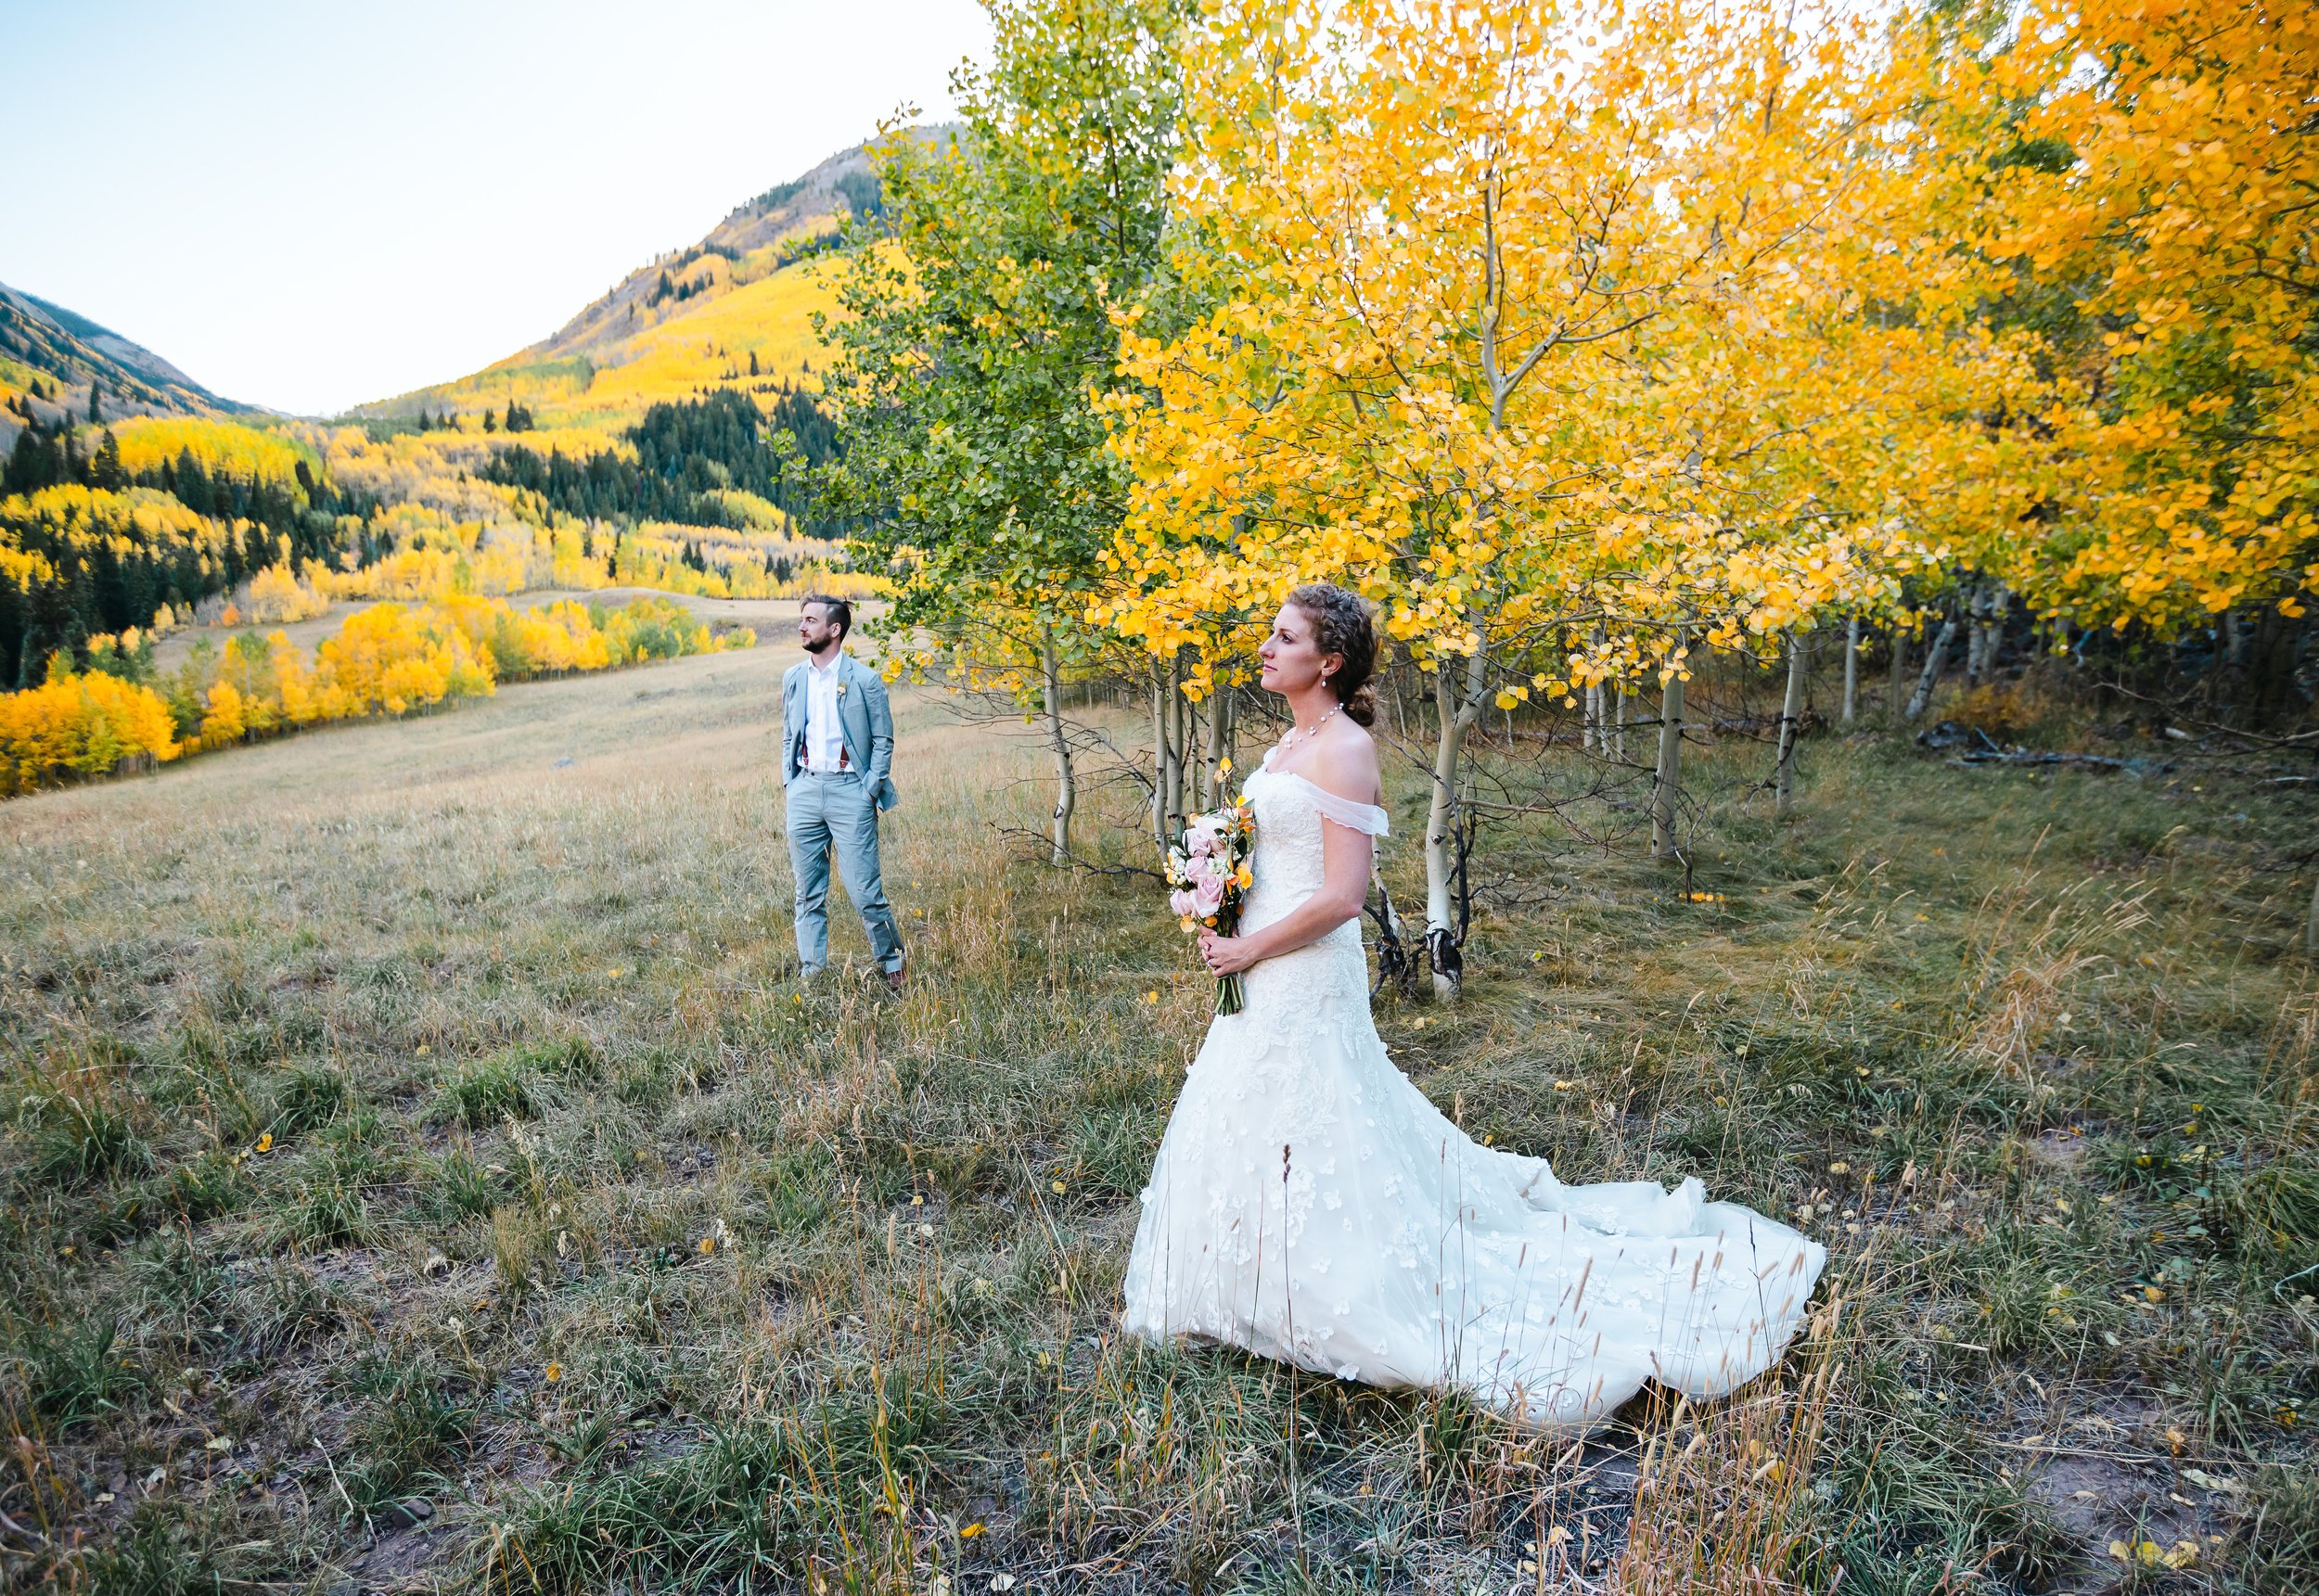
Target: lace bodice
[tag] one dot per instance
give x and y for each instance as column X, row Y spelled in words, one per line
column 1286, row 867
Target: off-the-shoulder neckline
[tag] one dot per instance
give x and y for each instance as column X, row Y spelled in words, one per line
column 1266, row 769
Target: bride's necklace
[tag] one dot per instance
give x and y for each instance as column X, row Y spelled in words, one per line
column 1306, row 733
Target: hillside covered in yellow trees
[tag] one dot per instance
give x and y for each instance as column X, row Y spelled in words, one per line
column 643, row 444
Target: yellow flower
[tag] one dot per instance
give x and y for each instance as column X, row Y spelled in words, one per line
column 553, row 1371
column 265, row 1142
column 708, row 1245
column 613, row 974
column 970, row 1532
column 1057, row 1185
column 1153, row 996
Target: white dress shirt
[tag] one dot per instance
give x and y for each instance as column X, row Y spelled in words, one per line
column 825, row 736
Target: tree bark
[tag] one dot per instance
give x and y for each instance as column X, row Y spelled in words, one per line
column 1790, row 724
column 1896, row 685
column 1159, row 757
column 1594, row 733
column 1976, row 631
column 2311, row 926
column 1619, row 745
column 1172, row 735
column 1220, row 719
column 1851, row 668
column 1066, row 784
column 1929, row 678
column 1440, row 847
column 1667, row 779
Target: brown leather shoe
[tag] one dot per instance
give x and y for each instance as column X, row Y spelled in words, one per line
column 893, row 980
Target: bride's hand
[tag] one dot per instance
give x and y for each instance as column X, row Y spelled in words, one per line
column 1226, row 955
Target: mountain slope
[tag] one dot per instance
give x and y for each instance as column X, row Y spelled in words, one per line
column 757, row 240
column 735, row 309
column 66, row 352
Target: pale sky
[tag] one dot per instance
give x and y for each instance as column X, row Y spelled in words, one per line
column 307, row 206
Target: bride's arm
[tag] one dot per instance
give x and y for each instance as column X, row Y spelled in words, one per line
column 1346, row 857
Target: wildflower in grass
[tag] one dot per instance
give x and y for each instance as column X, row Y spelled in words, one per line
column 708, row 1245
column 265, row 1142
column 553, row 1372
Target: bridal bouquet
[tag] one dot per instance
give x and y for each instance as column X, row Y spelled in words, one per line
column 1208, row 878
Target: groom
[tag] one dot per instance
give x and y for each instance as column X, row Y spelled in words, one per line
column 836, row 747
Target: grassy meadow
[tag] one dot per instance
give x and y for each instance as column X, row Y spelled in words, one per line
column 423, row 1171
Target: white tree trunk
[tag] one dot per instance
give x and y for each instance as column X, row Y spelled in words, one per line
column 1220, row 725
column 1440, row 849
column 1896, row 686
column 1851, row 668
column 1667, row 780
column 1172, row 754
column 1159, row 758
column 1929, row 678
column 1790, row 724
column 1066, row 783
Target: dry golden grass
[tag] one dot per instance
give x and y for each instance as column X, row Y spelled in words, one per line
column 424, row 1112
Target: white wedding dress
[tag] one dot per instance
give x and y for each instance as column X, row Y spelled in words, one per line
column 1312, row 1206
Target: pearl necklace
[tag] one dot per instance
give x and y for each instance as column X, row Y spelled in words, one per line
column 1307, row 733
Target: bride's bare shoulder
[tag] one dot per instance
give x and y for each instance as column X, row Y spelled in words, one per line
column 1344, row 762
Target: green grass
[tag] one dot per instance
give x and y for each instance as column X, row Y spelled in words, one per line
column 432, row 1120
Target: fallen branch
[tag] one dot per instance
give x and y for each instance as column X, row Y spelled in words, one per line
column 1950, row 735
column 2088, row 761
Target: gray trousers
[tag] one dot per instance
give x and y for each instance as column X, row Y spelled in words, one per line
column 835, row 815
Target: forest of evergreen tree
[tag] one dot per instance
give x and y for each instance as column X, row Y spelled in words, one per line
column 98, row 588
column 685, row 451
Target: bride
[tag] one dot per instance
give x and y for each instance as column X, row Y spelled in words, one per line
column 1312, row 1206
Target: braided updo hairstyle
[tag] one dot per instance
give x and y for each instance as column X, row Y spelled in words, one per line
column 1341, row 626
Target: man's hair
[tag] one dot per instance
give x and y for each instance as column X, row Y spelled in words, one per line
column 833, row 608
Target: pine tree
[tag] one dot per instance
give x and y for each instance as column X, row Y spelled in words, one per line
column 491, row 421
column 108, row 472
column 95, row 392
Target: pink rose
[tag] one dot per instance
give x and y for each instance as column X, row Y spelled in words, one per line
column 1184, row 903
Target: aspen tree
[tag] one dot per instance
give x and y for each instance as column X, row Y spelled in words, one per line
column 1521, row 336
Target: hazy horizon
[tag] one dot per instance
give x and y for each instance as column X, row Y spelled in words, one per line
column 311, row 208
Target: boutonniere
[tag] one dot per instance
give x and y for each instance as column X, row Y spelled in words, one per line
column 840, row 689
